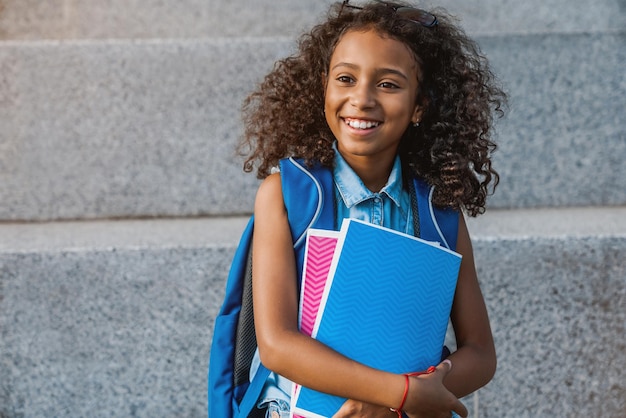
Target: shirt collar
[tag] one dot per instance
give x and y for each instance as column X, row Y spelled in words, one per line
column 352, row 189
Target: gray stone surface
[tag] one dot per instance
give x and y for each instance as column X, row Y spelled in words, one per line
column 133, row 129
column 563, row 142
column 70, row 19
column 554, row 281
column 108, row 333
column 110, row 318
column 558, row 318
column 117, row 320
column 125, row 129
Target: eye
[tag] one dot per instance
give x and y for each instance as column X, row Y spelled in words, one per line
column 345, row 79
column 388, row 85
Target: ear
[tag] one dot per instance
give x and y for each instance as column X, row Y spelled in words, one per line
column 417, row 113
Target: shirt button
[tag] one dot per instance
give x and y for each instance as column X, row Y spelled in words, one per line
column 377, row 199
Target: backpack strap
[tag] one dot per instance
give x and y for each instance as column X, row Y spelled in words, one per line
column 249, row 400
column 435, row 223
column 309, row 200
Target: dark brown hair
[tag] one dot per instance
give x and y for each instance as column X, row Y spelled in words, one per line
column 452, row 147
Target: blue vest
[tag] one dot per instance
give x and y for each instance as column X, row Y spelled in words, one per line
column 309, row 200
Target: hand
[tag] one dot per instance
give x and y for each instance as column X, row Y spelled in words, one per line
column 356, row 409
column 429, row 398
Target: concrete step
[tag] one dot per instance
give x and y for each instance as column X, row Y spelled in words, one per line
column 121, row 19
column 110, row 129
column 115, row 318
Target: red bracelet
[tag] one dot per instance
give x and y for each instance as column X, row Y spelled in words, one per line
column 398, row 411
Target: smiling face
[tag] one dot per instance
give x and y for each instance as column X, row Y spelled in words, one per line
column 371, row 90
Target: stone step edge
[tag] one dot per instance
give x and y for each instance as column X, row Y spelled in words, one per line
column 212, row 232
column 553, row 222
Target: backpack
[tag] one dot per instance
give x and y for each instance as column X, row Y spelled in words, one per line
column 309, row 200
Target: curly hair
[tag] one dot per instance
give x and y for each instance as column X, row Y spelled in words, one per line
column 452, row 147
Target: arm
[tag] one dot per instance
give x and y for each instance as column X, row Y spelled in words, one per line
column 475, row 359
column 282, row 347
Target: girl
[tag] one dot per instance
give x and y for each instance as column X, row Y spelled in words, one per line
column 378, row 93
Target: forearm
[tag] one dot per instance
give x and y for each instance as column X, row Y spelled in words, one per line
column 316, row 366
column 473, row 367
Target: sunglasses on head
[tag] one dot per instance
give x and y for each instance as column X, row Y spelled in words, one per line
column 418, row 16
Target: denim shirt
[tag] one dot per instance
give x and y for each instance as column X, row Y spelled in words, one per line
column 390, row 207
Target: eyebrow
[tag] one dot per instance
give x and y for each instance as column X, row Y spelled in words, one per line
column 378, row 71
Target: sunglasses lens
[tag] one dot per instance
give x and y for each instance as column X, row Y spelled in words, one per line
column 417, row 15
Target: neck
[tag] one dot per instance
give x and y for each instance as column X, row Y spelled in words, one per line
column 373, row 174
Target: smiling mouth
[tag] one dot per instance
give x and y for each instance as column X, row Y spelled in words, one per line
column 360, row 123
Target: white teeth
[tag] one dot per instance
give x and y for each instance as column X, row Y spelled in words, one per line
column 356, row 124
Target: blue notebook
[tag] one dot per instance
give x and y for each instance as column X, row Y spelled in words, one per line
column 386, row 304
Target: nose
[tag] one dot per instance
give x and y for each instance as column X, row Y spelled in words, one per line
column 363, row 96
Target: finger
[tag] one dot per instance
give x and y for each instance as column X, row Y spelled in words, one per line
column 340, row 414
column 343, row 411
column 460, row 409
column 348, row 409
column 445, row 367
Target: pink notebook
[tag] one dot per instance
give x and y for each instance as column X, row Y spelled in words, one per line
column 320, row 248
